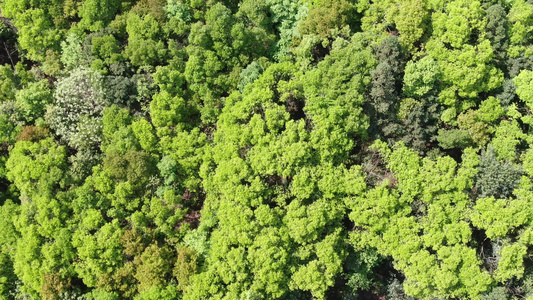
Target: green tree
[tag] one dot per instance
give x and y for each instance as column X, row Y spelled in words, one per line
column 32, row 100
column 495, row 178
column 218, row 50
column 98, row 253
column 327, row 16
column 496, row 30
column 285, row 17
column 145, row 40
column 410, row 19
column 43, row 254
column 418, row 216
column 463, row 54
column 36, row 167
column 384, row 97
column 10, row 83
column 270, row 180
column 333, row 82
column 420, row 77
column 9, row 237
column 96, row 14
column 520, row 29
column 523, row 82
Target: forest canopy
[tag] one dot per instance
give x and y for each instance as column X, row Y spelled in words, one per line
column 272, row 149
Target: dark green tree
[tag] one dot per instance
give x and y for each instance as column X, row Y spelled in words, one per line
column 495, row 178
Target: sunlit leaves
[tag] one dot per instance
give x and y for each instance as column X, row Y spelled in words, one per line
column 36, row 167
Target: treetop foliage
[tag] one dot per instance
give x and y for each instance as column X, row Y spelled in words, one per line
column 275, row 149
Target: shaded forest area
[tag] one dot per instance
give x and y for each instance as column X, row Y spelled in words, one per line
column 274, row 149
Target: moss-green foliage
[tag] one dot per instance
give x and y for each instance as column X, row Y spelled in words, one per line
column 274, row 149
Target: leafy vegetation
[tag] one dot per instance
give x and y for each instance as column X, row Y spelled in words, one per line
column 295, row 149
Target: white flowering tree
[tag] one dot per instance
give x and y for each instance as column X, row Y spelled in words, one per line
column 76, row 112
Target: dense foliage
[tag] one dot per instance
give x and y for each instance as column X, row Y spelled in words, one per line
column 273, row 149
